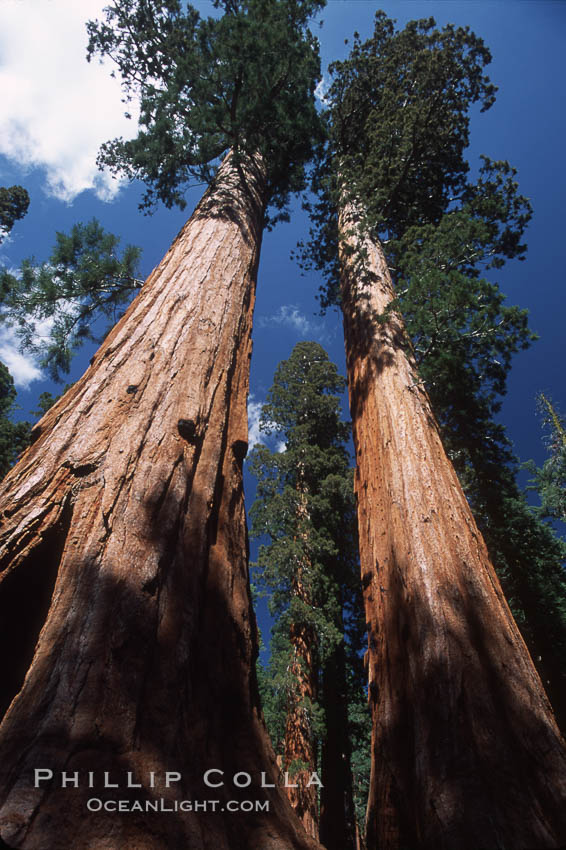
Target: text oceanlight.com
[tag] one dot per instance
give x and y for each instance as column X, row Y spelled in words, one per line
column 165, row 791
column 95, row 804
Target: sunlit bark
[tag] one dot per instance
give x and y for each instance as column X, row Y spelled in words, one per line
column 465, row 753
column 299, row 756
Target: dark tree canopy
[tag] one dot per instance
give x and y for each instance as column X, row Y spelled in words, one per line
column 243, row 81
column 400, row 117
column 303, row 411
column 13, row 435
column 14, row 203
column 398, row 126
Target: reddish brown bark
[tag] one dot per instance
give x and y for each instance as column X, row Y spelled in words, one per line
column 300, row 746
column 128, row 634
column 466, row 753
column 299, row 756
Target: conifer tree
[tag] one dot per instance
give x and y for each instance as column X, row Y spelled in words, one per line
column 550, row 479
column 13, row 435
column 136, row 652
column 84, row 280
column 305, row 507
column 14, row 203
column 463, row 735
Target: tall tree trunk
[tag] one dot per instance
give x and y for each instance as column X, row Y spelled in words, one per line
column 465, row 752
column 299, row 755
column 129, row 639
column 337, row 821
column 299, row 745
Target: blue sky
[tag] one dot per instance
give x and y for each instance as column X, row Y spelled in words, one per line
column 55, row 110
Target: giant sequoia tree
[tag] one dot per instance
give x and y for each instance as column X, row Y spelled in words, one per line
column 464, row 335
column 306, row 509
column 128, row 636
column 466, row 752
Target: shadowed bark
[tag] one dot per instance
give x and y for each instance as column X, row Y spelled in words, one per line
column 337, row 820
column 128, row 634
column 466, row 753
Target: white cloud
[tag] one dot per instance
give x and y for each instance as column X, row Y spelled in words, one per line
column 254, row 434
column 289, row 316
column 321, row 91
column 56, row 109
column 22, row 367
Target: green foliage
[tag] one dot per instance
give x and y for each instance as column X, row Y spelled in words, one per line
column 398, row 126
column 46, row 401
column 14, row 203
column 243, row 81
column 550, row 480
column 400, row 118
column 463, row 334
column 359, row 727
column 14, row 436
column 304, row 494
column 84, row 281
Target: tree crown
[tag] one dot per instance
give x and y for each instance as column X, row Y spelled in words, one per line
column 243, row 82
column 400, row 118
column 398, row 125
column 14, row 203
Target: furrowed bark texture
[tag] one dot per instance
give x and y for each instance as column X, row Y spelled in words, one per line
column 129, row 640
column 299, row 740
column 466, row 753
column 299, row 743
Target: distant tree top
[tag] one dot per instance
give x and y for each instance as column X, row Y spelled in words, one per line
column 14, row 203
